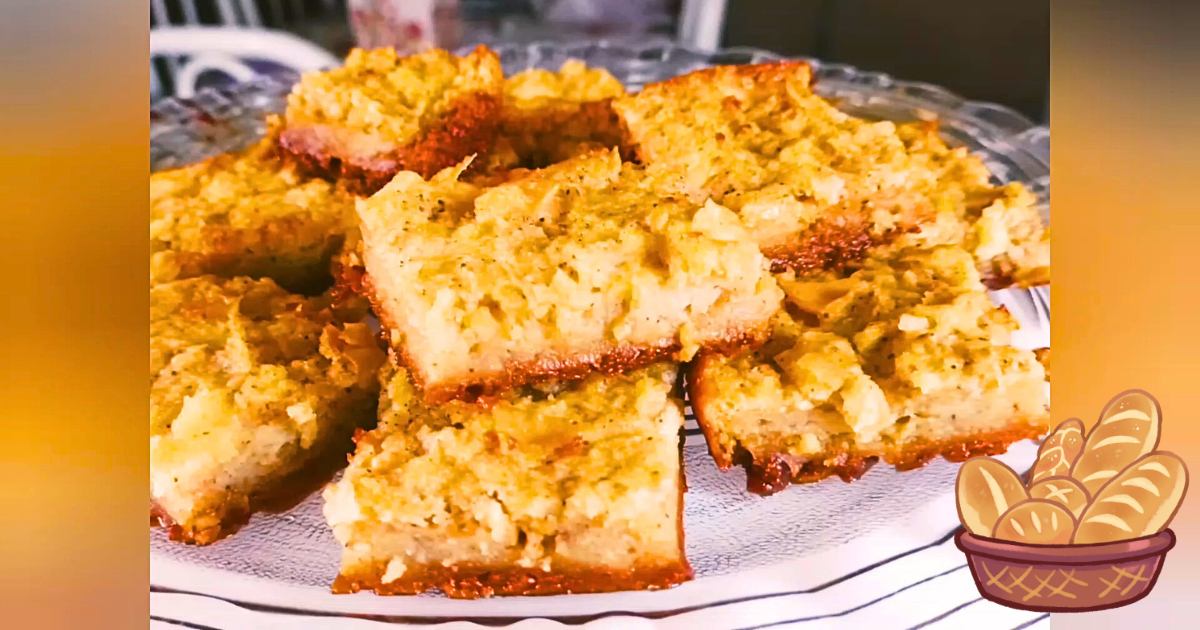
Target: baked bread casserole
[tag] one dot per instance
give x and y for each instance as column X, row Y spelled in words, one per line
column 252, row 389
column 903, row 360
column 819, row 188
column 581, row 266
column 551, row 489
column 382, row 112
column 246, row 214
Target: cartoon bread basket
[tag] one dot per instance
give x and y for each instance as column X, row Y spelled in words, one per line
column 1087, row 528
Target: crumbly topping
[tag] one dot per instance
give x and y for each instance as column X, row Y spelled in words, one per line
column 915, row 337
column 760, row 141
column 1001, row 226
column 390, row 96
column 244, row 379
column 245, row 213
column 524, row 478
column 574, row 82
column 589, row 251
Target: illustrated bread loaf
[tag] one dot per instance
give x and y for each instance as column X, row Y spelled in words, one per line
column 1058, row 451
column 1128, row 429
column 986, row 489
column 1036, row 522
column 1139, row 502
column 1063, row 490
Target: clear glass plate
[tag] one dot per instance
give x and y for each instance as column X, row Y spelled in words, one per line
column 756, row 559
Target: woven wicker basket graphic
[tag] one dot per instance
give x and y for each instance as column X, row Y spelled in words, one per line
column 1062, row 578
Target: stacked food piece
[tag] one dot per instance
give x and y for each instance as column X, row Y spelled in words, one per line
column 542, row 253
column 251, row 387
column 819, row 188
column 382, row 113
column 547, row 117
column 553, row 488
column 582, row 266
column 249, row 213
column 905, row 359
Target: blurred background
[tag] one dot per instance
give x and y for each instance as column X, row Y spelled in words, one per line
column 993, row 51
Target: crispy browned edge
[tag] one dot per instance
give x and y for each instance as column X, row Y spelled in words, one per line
column 778, row 471
column 831, row 244
column 472, row 582
column 475, row 581
column 469, row 127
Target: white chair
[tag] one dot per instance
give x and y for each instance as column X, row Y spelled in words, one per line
column 189, row 52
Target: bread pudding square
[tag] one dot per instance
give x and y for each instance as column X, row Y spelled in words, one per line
column 585, row 265
column 382, row 112
column 246, row 214
column 819, row 188
column 562, row 488
column 816, row 187
column 550, row 116
column 252, row 389
column 903, row 360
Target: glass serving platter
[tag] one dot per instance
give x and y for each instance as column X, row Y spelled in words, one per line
column 878, row 548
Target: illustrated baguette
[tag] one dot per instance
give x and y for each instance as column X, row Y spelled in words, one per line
column 1139, row 502
column 1036, row 522
column 1059, row 451
column 1065, row 491
column 1128, row 428
column 985, row 489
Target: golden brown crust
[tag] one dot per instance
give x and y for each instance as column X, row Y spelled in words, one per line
column 766, row 476
column 461, row 582
column 772, row 476
column 830, row 244
column 468, row 128
column 779, row 470
column 700, row 391
column 348, row 274
column 473, row 582
column 237, row 513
